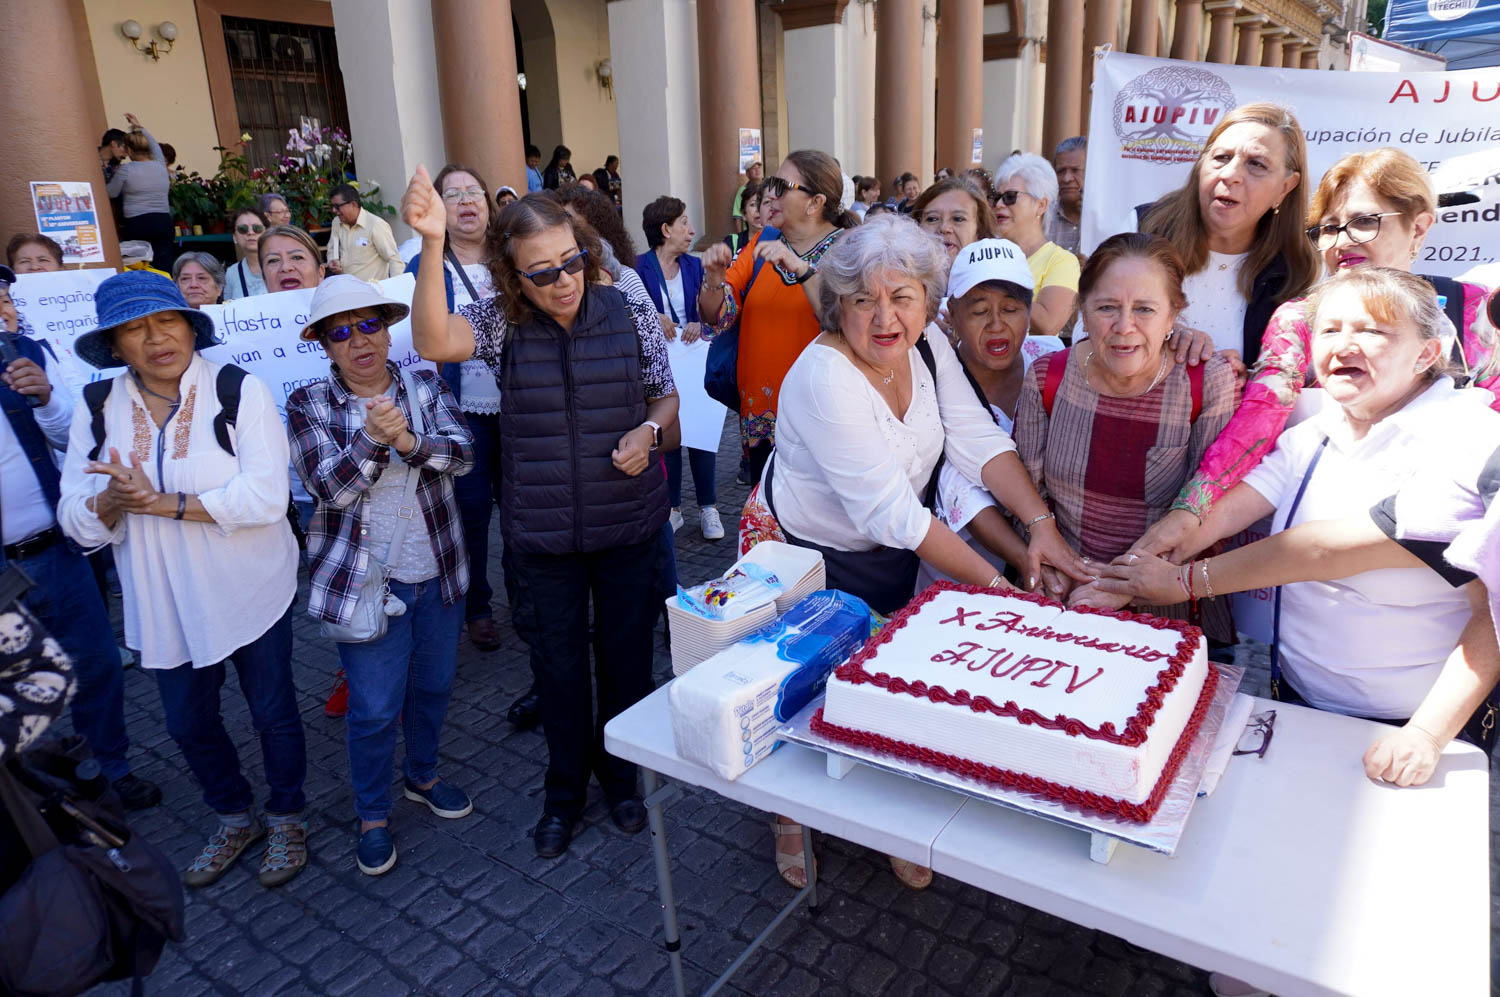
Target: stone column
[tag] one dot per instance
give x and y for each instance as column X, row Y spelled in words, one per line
column 55, row 114
column 1291, row 52
column 1101, row 26
column 1221, row 30
column 1187, row 30
column 481, row 100
column 1143, row 34
column 898, row 97
column 1064, row 81
column 728, row 100
column 1249, row 50
column 1270, row 46
column 1310, row 56
column 960, row 67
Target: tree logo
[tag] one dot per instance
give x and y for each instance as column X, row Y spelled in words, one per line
column 1166, row 115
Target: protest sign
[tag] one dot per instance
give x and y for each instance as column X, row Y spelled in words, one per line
column 65, row 213
column 749, row 147
column 1150, row 117
column 260, row 333
column 701, row 418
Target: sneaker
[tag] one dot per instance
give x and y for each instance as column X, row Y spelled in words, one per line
column 675, row 519
column 441, row 798
column 224, row 846
column 376, row 852
column 713, row 526
column 338, row 698
column 137, row 793
column 286, row 851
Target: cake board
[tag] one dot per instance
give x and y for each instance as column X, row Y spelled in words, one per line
column 1160, row 834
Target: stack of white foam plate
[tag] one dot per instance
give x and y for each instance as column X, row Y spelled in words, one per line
column 695, row 639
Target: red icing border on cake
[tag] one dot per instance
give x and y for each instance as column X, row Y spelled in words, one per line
column 1082, row 799
column 853, row 671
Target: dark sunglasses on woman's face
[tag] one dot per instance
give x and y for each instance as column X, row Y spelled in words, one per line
column 247, row 229
column 365, row 326
column 548, row 277
column 1008, row 197
column 777, row 187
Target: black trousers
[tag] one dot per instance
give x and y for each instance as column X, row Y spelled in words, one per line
column 1480, row 730
column 554, row 593
column 155, row 228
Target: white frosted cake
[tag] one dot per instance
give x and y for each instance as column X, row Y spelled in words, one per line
column 1093, row 708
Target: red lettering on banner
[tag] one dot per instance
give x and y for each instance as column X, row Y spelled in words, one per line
column 1074, row 685
column 1444, row 97
column 1210, row 115
column 1406, row 89
column 1485, row 100
column 960, row 615
column 1129, row 114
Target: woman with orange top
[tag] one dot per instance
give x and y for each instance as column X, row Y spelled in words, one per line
column 764, row 287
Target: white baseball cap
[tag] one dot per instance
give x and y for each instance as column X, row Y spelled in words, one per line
column 988, row 259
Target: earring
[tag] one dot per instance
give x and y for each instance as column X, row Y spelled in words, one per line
column 1276, row 210
column 1416, row 251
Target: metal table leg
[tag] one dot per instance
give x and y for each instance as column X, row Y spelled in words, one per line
column 656, row 800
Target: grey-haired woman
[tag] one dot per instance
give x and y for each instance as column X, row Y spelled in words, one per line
column 199, row 277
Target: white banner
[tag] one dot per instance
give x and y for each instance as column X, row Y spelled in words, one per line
column 701, row 418
column 1150, row 117
column 260, row 333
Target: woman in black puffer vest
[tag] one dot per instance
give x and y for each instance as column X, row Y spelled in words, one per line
column 585, row 393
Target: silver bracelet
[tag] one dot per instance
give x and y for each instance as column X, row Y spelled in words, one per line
column 1038, row 519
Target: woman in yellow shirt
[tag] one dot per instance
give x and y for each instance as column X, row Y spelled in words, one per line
column 1025, row 196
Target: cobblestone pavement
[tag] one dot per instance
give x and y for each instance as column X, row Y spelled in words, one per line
column 470, row 909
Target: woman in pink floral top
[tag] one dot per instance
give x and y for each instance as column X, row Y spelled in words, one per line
column 1372, row 208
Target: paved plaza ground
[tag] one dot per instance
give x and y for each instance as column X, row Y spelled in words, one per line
column 470, row 909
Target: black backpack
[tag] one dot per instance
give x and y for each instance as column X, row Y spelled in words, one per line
column 227, row 387
column 96, row 902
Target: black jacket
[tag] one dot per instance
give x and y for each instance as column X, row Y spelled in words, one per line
column 566, row 399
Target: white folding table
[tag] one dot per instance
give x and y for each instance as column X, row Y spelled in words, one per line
column 1298, row 874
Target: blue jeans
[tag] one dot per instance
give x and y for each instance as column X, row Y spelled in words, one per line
column 66, row 600
column 407, row 673
column 701, row 463
column 190, row 698
column 476, row 495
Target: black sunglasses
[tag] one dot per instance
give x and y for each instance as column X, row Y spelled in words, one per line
column 1360, row 229
column 777, row 187
column 365, row 326
column 338, row 204
column 247, row 229
column 1008, row 197
column 548, row 277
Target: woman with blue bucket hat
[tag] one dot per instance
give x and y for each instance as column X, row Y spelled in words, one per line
column 181, row 464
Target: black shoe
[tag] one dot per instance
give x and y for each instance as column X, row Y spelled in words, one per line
column 629, row 815
column 526, row 712
column 137, row 793
column 552, row 836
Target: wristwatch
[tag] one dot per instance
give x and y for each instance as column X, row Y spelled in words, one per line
column 656, row 434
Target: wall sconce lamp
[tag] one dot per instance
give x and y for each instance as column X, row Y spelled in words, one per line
column 606, row 71
column 166, row 31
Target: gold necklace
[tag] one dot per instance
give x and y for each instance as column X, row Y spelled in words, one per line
column 1161, row 370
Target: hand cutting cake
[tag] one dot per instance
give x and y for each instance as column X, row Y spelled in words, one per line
column 1092, row 708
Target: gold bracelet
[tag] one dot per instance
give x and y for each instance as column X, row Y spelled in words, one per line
column 1209, row 589
column 995, row 582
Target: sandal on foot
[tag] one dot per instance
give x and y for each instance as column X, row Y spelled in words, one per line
column 918, row 877
column 791, row 866
column 224, row 846
column 286, row 852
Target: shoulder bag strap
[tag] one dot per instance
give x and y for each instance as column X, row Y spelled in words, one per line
column 1057, row 366
column 462, row 275
column 929, row 494
column 1312, row 465
column 408, row 507
column 244, row 287
column 95, row 394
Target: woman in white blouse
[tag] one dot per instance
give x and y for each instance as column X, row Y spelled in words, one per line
column 866, row 411
column 194, row 502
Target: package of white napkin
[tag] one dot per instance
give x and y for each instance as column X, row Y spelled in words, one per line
column 726, row 711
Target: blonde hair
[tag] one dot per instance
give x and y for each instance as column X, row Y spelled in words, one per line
column 1390, row 296
column 1393, row 175
column 290, row 232
column 1179, row 217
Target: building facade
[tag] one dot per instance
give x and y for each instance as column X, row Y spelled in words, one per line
column 886, row 86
